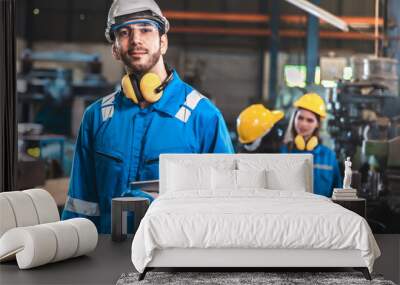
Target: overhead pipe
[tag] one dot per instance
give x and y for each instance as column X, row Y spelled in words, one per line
column 354, row 22
column 260, row 32
column 320, row 13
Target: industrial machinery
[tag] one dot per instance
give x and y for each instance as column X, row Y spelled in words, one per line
column 365, row 125
column 46, row 95
column 51, row 102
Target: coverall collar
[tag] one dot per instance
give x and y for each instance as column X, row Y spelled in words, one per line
column 317, row 149
column 171, row 100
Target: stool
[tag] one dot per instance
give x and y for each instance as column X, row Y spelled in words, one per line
column 119, row 208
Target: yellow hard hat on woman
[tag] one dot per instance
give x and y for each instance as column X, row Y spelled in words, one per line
column 256, row 121
column 312, row 102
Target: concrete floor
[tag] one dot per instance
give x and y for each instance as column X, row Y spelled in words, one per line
column 389, row 262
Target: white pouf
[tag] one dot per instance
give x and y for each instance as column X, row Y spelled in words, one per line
column 46, row 207
column 40, row 244
column 7, row 218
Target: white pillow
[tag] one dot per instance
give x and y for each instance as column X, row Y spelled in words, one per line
column 223, row 179
column 279, row 180
column 235, row 179
column 282, row 173
column 182, row 177
column 251, row 178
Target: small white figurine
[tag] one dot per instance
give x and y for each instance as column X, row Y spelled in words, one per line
column 347, row 174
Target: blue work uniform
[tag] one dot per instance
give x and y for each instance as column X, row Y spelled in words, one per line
column 326, row 170
column 119, row 142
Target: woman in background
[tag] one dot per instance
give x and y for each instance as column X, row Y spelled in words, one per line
column 302, row 136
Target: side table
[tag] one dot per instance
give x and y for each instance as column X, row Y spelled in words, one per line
column 119, row 208
column 357, row 205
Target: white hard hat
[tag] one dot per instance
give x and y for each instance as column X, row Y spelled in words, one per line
column 120, row 8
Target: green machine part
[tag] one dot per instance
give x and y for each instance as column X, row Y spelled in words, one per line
column 386, row 152
column 394, row 152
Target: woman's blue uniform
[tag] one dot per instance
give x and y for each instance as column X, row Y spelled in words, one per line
column 326, row 169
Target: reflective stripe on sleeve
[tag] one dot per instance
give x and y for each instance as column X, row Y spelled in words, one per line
column 192, row 100
column 107, row 112
column 107, row 106
column 108, row 100
column 82, row 207
column 323, row 166
column 183, row 114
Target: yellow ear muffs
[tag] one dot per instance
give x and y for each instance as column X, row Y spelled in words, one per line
column 312, row 143
column 148, row 85
column 302, row 145
column 147, row 89
column 129, row 91
column 299, row 142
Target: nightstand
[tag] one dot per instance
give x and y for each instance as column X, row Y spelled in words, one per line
column 358, row 205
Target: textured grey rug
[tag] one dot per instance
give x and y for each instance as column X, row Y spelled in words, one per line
column 228, row 278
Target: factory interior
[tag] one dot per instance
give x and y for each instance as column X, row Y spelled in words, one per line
column 56, row 62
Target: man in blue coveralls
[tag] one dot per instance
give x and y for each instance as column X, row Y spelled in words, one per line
column 122, row 135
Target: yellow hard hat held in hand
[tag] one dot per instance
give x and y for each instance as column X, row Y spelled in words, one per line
column 312, row 102
column 256, row 121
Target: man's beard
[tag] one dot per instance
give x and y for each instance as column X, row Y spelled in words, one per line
column 140, row 68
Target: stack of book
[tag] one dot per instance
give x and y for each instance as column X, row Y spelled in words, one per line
column 344, row 194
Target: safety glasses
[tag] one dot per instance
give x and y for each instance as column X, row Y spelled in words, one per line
column 144, row 28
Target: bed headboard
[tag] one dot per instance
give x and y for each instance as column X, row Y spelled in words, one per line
column 287, row 164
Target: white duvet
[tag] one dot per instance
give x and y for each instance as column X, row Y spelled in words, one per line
column 252, row 218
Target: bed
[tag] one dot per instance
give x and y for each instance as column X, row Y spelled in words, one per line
column 247, row 210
